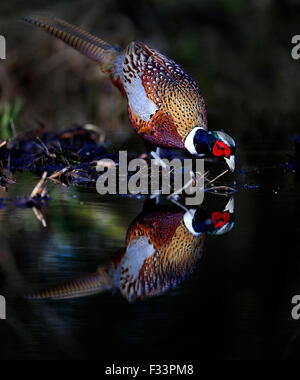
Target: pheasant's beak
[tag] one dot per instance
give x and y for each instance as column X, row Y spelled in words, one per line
column 230, row 162
column 230, row 206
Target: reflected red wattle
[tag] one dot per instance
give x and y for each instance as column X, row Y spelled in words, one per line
column 220, row 219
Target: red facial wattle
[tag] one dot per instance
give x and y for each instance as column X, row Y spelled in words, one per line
column 220, row 219
column 221, row 149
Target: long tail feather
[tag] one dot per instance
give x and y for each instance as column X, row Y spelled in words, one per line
column 95, row 283
column 92, row 47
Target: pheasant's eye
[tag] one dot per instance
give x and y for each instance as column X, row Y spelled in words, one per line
column 221, row 149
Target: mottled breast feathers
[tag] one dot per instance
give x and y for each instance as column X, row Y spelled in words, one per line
column 160, row 254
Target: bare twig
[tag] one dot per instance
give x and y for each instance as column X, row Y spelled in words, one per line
column 221, row 190
column 39, row 215
column 59, row 173
column 39, row 187
column 190, row 182
column 158, row 160
column 41, row 190
column 174, row 200
column 219, row 176
column 44, row 146
column 97, row 130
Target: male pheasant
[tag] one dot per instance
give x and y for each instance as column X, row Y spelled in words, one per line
column 165, row 105
column 163, row 247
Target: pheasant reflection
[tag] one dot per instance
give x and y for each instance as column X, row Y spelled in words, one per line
column 163, row 247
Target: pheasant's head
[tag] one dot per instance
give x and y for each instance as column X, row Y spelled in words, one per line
column 211, row 144
column 218, row 222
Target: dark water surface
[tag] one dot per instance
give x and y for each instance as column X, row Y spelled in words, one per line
column 235, row 303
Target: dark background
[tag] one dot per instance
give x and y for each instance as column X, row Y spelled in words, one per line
column 237, row 304
column 238, row 51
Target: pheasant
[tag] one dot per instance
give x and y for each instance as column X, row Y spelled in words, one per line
column 165, row 105
column 163, row 247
